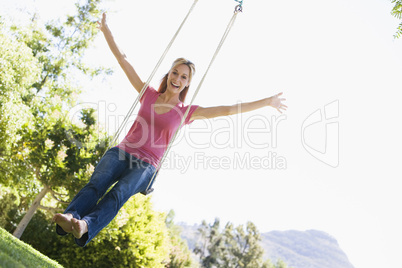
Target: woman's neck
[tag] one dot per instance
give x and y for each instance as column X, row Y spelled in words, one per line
column 168, row 97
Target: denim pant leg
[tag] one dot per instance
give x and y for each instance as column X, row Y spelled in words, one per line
column 134, row 180
column 106, row 173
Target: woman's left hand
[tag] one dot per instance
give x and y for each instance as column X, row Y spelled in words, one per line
column 276, row 102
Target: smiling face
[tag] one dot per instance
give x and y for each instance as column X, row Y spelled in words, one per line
column 178, row 78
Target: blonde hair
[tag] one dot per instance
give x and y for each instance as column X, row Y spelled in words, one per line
column 177, row 62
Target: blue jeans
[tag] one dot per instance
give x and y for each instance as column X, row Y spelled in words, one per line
column 132, row 176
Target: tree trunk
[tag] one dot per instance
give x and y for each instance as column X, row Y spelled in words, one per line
column 31, row 211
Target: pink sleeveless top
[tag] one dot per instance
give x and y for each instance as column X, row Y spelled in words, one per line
column 151, row 133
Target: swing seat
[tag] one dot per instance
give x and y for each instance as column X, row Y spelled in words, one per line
column 147, row 192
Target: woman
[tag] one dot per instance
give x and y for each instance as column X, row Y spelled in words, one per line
column 133, row 162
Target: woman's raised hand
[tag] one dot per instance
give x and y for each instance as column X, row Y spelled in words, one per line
column 276, row 102
column 102, row 25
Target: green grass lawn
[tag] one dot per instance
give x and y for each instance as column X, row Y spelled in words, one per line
column 15, row 253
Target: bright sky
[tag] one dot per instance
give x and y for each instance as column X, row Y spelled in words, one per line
column 329, row 163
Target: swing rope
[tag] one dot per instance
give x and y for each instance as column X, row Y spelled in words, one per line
column 238, row 9
column 125, row 120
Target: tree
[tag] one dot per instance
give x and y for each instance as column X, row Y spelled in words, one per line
column 47, row 154
column 233, row 247
column 179, row 254
column 243, row 246
column 211, row 250
column 397, row 12
column 19, row 70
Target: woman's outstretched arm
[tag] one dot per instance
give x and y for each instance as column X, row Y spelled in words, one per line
column 212, row 112
column 132, row 75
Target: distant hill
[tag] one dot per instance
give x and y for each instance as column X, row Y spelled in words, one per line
column 304, row 249
column 298, row 249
